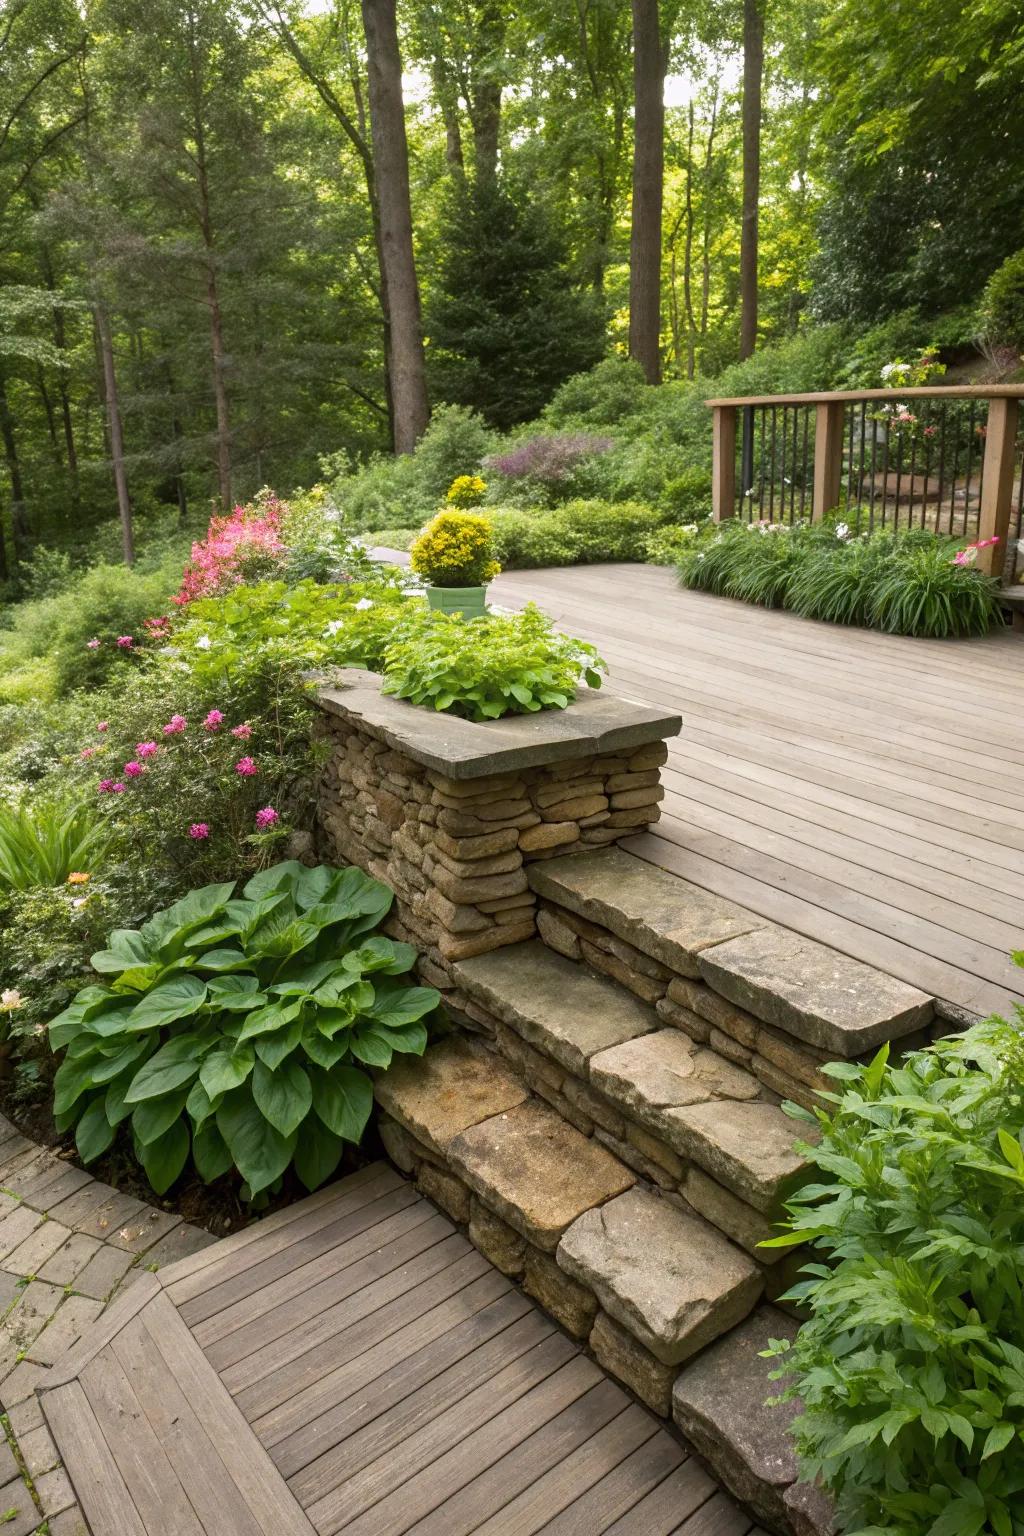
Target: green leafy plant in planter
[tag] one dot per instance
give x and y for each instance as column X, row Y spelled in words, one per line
column 498, row 665
column 239, row 1029
column 454, row 555
column 911, row 1365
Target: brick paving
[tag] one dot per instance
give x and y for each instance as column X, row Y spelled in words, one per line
column 69, row 1245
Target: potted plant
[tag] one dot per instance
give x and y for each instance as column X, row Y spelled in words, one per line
column 453, row 554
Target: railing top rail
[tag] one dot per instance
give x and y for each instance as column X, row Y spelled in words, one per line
column 925, row 392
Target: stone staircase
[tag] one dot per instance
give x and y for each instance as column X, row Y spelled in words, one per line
column 605, row 1121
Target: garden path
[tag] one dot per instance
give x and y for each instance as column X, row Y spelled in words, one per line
column 864, row 789
column 352, row 1363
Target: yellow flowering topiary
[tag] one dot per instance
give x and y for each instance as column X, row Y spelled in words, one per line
column 454, row 550
column 466, row 491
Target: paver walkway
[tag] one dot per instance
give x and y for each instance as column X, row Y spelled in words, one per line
column 863, row 789
column 349, row 1364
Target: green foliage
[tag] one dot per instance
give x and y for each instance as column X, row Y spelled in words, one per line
column 387, row 491
column 109, row 601
column 455, row 549
column 911, row 1366
column 238, row 1031
column 605, row 396
column 907, row 583
column 484, row 668
column 507, row 326
column 579, row 533
column 43, row 841
column 1002, row 304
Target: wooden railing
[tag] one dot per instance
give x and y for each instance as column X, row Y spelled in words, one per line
column 950, row 458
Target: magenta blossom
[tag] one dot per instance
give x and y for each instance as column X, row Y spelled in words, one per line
column 146, row 749
column 106, row 787
column 213, row 721
column 125, row 642
column 104, row 725
column 266, row 818
column 133, row 769
column 198, row 830
column 243, row 732
column 88, row 752
column 93, row 644
column 176, row 723
column 246, row 766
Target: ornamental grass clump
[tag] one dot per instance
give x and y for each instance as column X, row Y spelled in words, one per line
column 455, row 549
column 910, row 1367
column 238, row 1031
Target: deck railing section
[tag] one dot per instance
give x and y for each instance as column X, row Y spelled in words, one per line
column 947, row 458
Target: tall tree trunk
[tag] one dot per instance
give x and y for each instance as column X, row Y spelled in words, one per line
column 391, row 161
column 753, row 70
column 485, row 105
column 691, row 340
column 648, row 178
column 705, row 244
column 67, row 425
column 124, row 506
column 19, row 518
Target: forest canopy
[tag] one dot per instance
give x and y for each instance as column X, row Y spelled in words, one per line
column 249, row 242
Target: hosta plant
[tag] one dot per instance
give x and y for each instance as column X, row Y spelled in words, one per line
column 911, row 1366
column 238, row 1031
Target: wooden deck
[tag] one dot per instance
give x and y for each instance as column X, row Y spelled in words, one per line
column 864, row 789
column 353, row 1364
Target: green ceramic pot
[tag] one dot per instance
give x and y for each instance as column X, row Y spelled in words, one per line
column 471, row 602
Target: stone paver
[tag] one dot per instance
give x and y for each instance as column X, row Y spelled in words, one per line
column 563, row 1010
column 66, row 1327
column 813, row 992
column 451, row 1087
column 18, row 1511
column 669, row 1278
column 70, row 1259
column 660, row 914
column 536, row 1171
column 71, row 1522
column 184, row 1240
column 652, row 1077
column 747, row 1147
column 145, row 1228
column 16, row 1227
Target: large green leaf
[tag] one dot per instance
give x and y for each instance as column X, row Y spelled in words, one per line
column 94, row 1133
column 66, row 1025
column 409, row 1038
column 109, row 1067
column 127, row 947
column 210, row 1153
column 284, row 1095
column 326, row 1053
column 260, row 1153
column 199, row 1106
column 317, row 1153
column 343, row 1098
column 176, row 998
column 381, row 954
column 73, row 1077
column 284, row 876
column 167, row 931
column 171, row 1067
column 275, row 1048
column 222, row 960
column 371, row 1047
column 234, row 994
column 397, row 1006
column 226, row 1069
column 114, row 1104
column 164, row 1158
column 265, row 1020
column 151, row 1119
column 299, row 980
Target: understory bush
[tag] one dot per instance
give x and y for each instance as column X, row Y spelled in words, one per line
column 1002, row 304
column 578, row 533
column 237, row 1031
column 911, row 1366
column 46, row 842
column 912, row 582
column 492, row 666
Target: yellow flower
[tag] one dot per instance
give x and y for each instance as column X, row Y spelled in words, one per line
column 77, row 877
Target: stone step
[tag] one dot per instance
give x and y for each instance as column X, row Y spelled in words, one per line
column 811, row 992
column 658, row 1078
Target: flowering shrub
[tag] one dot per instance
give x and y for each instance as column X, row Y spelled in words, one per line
column 547, row 462
column 911, row 1366
column 238, row 1030
column 466, row 491
column 454, row 550
column 237, row 548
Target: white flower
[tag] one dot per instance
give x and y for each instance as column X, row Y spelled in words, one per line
column 702, row 556
column 203, row 643
column 10, row 999
column 363, row 604
column 842, row 530
column 333, row 627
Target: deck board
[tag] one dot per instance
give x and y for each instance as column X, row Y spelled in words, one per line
column 864, row 789
column 437, row 1399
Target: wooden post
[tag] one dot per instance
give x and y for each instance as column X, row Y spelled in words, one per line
column 829, row 425
column 723, row 462
column 997, row 483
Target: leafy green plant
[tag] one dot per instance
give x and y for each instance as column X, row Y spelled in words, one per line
column 1002, row 304
column 489, row 667
column 45, row 841
column 455, row 550
column 239, row 1030
column 923, row 592
column 911, row 1365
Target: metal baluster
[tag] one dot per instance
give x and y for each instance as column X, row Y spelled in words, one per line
column 782, row 468
column 860, row 456
column 874, row 486
column 943, row 420
column 804, row 461
column 760, row 467
column 771, row 482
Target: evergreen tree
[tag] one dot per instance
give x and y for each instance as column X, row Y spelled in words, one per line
column 504, row 324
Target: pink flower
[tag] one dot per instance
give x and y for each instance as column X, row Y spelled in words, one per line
column 176, row 723
column 930, row 431
column 243, row 732
column 213, row 721
column 198, row 830
column 93, row 644
column 232, row 543
column 125, row 642
column 133, row 769
column 246, row 766
column 104, row 725
column 146, row 749
column 158, row 629
column 88, row 752
column 106, row 786
column 266, row 818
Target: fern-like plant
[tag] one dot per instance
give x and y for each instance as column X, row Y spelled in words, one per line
column 45, row 842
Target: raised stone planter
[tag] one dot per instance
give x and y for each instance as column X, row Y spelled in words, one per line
column 450, row 813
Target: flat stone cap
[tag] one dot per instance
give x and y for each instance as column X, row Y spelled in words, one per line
column 814, row 992
column 598, row 723
column 450, row 1087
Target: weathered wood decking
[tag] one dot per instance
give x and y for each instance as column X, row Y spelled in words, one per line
column 864, row 789
column 353, row 1364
